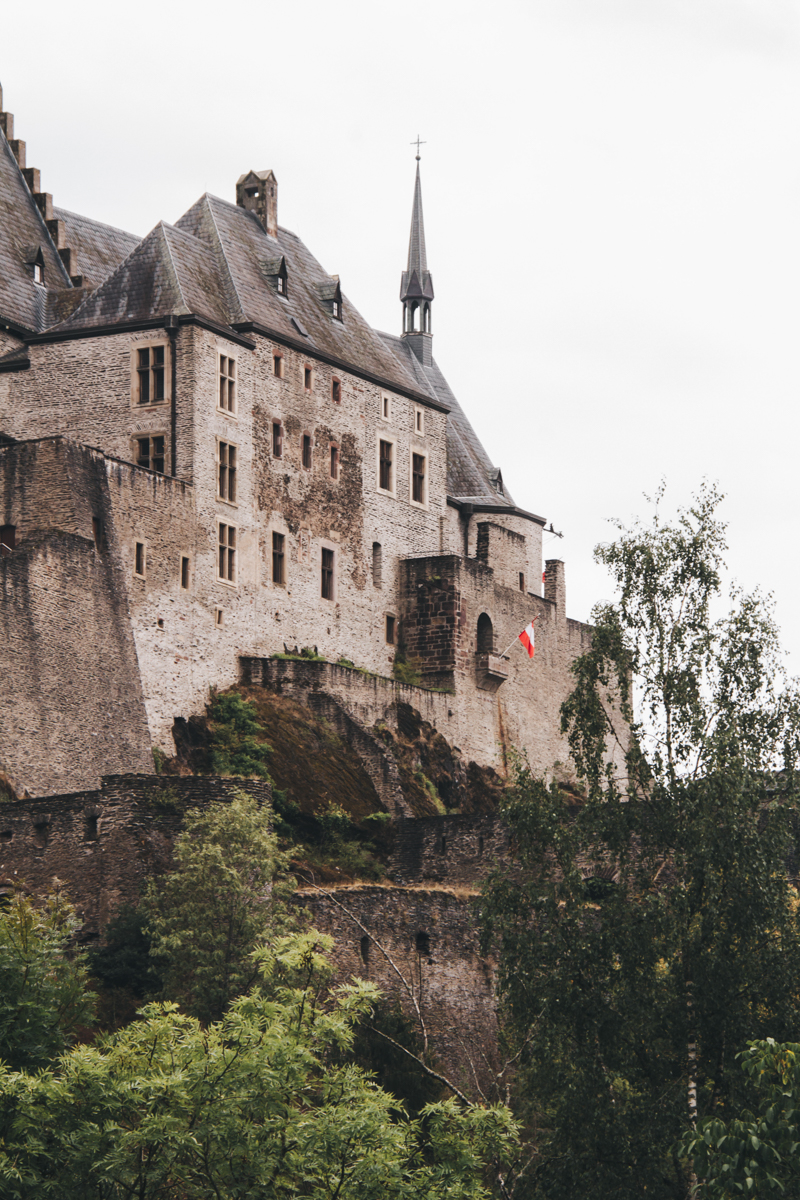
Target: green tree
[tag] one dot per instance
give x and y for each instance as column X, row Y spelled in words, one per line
column 225, row 893
column 257, row 1105
column 757, row 1152
column 233, row 743
column 43, row 992
column 650, row 931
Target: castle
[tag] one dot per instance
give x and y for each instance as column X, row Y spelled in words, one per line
column 208, row 455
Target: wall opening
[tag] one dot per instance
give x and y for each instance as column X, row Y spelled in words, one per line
column 377, row 565
column 90, row 833
column 6, row 835
column 485, row 634
column 423, row 944
column 365, row 946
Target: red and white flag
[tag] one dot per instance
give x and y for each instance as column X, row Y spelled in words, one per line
column 527, row 638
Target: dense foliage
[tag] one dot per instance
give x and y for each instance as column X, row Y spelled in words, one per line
column 651, row 931
column 44, row 996
column 224, row 895
column 755, row 1152
column 256, row 1104
column 234, row 729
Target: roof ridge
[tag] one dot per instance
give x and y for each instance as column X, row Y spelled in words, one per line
column 95, row 221
column 35, row 208
column 163, row 226
column 207, row 197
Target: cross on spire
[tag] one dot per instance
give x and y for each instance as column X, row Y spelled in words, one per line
column 418, row 143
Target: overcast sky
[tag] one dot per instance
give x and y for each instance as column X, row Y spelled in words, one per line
column 612, row 203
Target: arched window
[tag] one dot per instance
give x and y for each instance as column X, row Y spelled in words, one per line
column 414, row 311
column 485, row 634
column 426, row 319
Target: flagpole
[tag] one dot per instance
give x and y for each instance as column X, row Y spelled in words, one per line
column 516, row 639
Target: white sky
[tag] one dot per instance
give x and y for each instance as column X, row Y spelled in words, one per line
column 611, row 200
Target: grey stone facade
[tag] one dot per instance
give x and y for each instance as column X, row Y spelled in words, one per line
column 265, row 470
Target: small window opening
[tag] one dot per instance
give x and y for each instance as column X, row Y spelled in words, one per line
column 377, row 565
column 6, row 835
column 522, row 581
column 365, row 943
column 8, row 538
column 278, row 559
column 150, row 370
column 227, row 383
column 281, row 286
column 307, row 451
column 385, row 409
column 337, row 309
column 150, row 453
column 391, row 629
column 327, row 574
column 307, row 378
column 139, row 559
column 423, row 943
column 485, row 634
column 226, row 566
column 41, row 832
column 227, row 472
column 160, row 622
column 219, row 615
column 277, row 366
column 442, row 845
column 97, row 532
column 277, row 439
column 385, row 467
column 334, row 462
column 418, row 478
column 419, row 421
column 90, row 832
column 38, row 273
column 185, row 573
column 336, row 391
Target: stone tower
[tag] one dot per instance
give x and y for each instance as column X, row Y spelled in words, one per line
column 416, row 285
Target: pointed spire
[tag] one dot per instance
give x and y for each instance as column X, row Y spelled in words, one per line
column 416, row 284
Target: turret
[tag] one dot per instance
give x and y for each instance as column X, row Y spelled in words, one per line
column 416, row 285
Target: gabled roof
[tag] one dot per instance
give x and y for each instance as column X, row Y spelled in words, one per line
column 168, row 273
column 22, row 234
column 99, row 248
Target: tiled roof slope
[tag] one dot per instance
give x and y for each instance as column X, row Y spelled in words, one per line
column 99, row 248
column 22, row 233
column 469, row 468
column 248, row 254
column 169, row 272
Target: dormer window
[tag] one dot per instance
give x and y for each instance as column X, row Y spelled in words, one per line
column 277, row 274
column 336, row 308
column 38, row 273
column 281, row 284
column 330, row 293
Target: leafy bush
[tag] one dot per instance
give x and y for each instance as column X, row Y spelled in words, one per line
column 234, row 748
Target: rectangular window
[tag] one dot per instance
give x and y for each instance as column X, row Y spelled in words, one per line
column 334, row 462
column 277, row 439
column 377, row 565
column 184, row 573
column 418, row 478
column 226, row 564
column 150, row 453
column 8, row 538
column 391, row 626
column 336, row 391
column 226, row 487
column 327, row 574
column 219, row 616
column 385, row 473
column 227, row 383
column 419, row 421
column 277, row 366
column 150, row 370
column 279, row 559
column 139, row 561
column 307, row 451
column 97, row 533
column 386, row 408
column 307, row 378
column 521, row 581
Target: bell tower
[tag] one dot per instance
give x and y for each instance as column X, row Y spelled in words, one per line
column 416, row 285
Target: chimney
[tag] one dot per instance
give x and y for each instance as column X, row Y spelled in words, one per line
column 555, row 587
column 257, row 191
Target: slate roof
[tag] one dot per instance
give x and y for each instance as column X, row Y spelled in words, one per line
column 469, row 468
column 22, row 229
column 99, row 248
